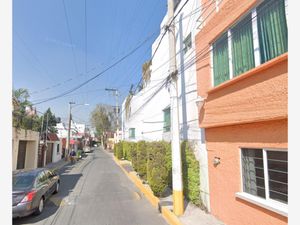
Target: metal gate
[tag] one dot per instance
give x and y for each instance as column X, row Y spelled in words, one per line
column 21, row 155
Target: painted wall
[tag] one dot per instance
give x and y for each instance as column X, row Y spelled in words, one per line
column 225, row 179
column 258, row 95
column 147, row 106
column 31, row 156
column 56, row 156
column 247, row 111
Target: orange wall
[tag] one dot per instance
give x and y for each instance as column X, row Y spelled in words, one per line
column 225, row 179
column 247, row 111
column 258, row 95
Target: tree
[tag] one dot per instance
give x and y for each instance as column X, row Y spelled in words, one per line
column 52, row 121
column 21, row 119
column 103, row 120
column 30, row 121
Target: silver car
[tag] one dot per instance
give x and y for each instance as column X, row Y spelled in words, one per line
column 31, row 188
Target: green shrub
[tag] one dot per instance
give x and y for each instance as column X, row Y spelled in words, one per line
column 158, row 166
column 119, row 150
column 126, row 150
column 115, row 150
column 141, row 157
column 133, row 155
column 190, row 171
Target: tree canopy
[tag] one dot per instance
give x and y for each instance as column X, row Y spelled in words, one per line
column 22, row 118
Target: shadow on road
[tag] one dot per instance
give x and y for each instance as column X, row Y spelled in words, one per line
column 67, row 184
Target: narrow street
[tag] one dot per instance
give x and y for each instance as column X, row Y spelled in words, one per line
column 95, row 191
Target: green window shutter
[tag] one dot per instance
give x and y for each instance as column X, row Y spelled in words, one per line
column 272, row 29
column 242, row 46
column 167, row 120
column 221, row 60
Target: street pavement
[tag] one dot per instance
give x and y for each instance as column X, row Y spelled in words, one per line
column 95, row 191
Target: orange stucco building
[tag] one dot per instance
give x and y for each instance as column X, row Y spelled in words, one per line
column 242, row 75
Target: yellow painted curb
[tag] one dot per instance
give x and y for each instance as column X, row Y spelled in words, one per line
column 169, row 216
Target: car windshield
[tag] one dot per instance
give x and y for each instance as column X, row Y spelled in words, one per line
column 22, row 181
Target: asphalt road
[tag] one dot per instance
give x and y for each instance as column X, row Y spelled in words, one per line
column 95, row 191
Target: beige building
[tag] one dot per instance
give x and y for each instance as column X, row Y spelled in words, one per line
column 24, row 149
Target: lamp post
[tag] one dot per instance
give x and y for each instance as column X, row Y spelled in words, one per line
column 69, row 125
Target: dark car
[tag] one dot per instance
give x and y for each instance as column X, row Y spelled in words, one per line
column 31, row 188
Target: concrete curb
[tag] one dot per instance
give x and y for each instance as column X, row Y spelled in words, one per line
column 168, row 215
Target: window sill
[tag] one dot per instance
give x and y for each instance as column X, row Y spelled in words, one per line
column 276, row 207
column 251, row 72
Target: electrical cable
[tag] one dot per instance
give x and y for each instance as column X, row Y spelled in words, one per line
column 70, row 35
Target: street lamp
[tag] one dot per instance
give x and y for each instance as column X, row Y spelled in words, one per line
column 69, row 125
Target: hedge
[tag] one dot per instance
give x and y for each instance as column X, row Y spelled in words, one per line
column 126, row 149
column 118, row 150
column 158, row 166
column 190, row 171
column 141, row 157
column 153, row 162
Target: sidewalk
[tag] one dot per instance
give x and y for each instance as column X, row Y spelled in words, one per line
column 57, row 165
column 192, row 214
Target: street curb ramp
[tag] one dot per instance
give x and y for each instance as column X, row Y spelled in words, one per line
column 168, row 215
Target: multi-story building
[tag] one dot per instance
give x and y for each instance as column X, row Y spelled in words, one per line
column 242, row 61
column 146, row 114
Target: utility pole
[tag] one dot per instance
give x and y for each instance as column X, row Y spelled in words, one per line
column 69, row 129
column 178, row 203
column 116, row 93
column 69, row 125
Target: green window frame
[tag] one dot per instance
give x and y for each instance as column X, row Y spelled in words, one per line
column 131, row 132
column 242, row 46
column 187, row 43
column 167, row 119
column 272, row 29
column 221, row 60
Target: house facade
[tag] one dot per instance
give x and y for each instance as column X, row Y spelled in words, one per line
column 146, row 114
column 242, row 76
column 24, row 149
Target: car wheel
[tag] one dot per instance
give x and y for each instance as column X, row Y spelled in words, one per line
column 40, row 208
column 56, row 188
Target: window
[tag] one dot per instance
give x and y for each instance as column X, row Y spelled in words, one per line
column 242, row 46
column 187, row 43
column 272, row 29
column 263, row 31
column 265, row 174
column 167, row 119
column 221, row 60
column 131, row 132
column 57, row 148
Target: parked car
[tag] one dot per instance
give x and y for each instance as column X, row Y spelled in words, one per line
column 31, row 188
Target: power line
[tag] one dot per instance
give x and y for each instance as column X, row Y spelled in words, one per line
column 99, row 74
column 165, row 31
column 70, row 35
column 201, row 55
column 80, row 75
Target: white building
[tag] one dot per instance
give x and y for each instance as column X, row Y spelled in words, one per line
column 78, row 130
column 148, row 116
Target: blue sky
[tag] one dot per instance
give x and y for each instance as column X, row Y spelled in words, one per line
column 50, row 57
